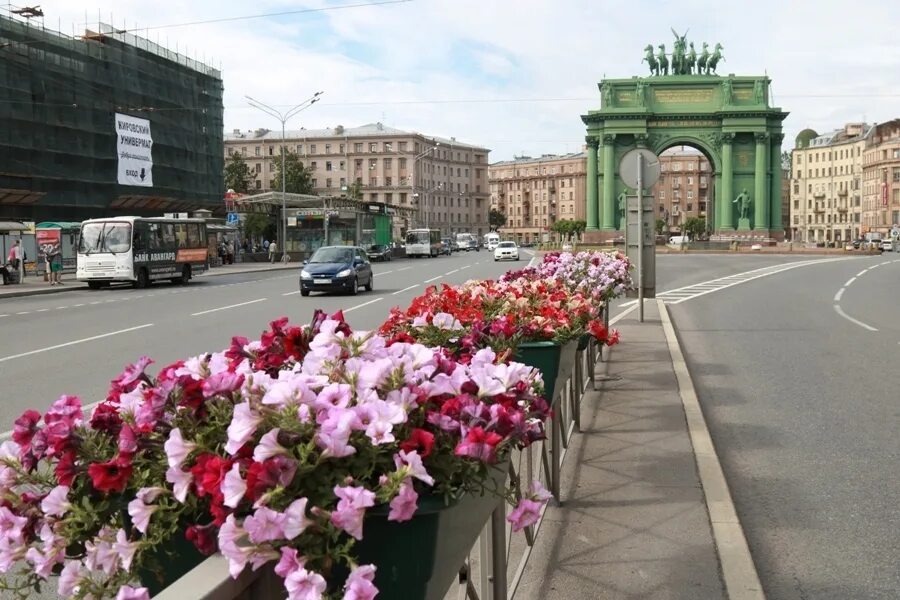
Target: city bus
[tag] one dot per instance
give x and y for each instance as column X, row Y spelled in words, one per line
column 140, row 250
column 423, row 242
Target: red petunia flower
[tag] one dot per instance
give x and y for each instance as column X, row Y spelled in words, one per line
column 111, row 476
column 420, row 440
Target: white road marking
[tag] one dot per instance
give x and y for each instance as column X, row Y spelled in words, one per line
column 465, row 267
column 406, row 289
column 385, row 272
column 433, row 279
column 850, row 282
column 59, row 308
column 861, row 273
column 212, row 310
column 1, row 316
column 840, row 311
column 42, row 310
column 840, row 293
column 451, row 272
column 72, row 343
column 404, row 269
column 24, row 312
column 346, row 310
column 291, row 293
column 77, row 305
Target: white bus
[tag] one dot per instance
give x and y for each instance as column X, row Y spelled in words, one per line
column 423, row 242
column 491, row 240
column 140, row 250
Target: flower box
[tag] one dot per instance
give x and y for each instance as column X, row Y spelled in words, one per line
column 555, row 362
column 420, row 558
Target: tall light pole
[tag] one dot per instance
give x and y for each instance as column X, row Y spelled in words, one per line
column 283, row 118
column 415, row 159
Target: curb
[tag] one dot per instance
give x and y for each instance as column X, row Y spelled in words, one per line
column 738, row 569
column 76, row 287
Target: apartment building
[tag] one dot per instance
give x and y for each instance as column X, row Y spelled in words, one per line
column 881, row 180
column 441, row 181
column 684, row 187
column 534, row 193
column 826, row 184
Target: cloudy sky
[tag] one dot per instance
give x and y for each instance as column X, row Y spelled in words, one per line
column 513, row 75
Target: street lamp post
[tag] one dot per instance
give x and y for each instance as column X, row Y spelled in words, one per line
column 283, row 117
column 415, row 159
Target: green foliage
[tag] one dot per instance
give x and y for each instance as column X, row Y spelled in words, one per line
column 569, row 228
column 238, row 176
column 259, row 226
column 354, row 190
column 298, row 179
column 496, row 219
column 694, row 227
column 660, row 227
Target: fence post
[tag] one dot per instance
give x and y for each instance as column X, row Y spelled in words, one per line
column 498, row 550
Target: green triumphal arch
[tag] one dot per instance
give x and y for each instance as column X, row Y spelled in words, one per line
column 728, row 118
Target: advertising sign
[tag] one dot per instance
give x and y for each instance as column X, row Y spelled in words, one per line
column 134, row 148
column 48, row 241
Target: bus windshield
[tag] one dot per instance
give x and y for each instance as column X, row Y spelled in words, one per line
column 110, row 237
column 418, row 237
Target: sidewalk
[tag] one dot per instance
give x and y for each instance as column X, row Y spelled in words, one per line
column 35, row 285
column 634, row 521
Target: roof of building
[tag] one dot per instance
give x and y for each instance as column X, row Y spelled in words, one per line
column 527, row 160
column 842, row 135
column 340, row 132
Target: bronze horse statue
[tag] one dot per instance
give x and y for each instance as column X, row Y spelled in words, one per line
column 663, row 61
column 651, row 60
column 714, row 59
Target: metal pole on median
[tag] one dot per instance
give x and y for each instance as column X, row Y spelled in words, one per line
column 640, row 235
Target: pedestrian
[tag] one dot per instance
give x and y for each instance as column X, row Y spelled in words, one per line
column 266, row 245
column 273, row 248
column 17, row 259
column 56, row 265
column 229, row 250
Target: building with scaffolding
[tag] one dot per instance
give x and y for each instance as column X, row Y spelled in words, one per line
column 105, row 123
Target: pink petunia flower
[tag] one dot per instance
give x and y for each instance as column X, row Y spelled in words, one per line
column 295, row 519
column 243, row 425
column 141, row 513
column 413, row 464
column 264, row 525
column 359, row 585
column 404, row 504
column 69, row 578
column 351, row 508
column 56, row 503
column 124, row 549
column 233, row 486
column 177, row 449
column 289, row 562
column 269, row 447
column 126, row 592
column 304, row 585
column 181, row 482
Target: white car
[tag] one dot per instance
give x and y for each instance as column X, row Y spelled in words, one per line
column 506, row 251
column 887, row 245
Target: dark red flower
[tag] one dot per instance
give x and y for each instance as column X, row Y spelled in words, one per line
column 420, row 440
column 203, row 537
column 106, row 418
column 111, row 476
column 24, row 429
column 65, row 468
column 208, row 472
column 263, row 476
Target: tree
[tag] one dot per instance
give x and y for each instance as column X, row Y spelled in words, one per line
column 660, row 227
column 496, row 219
column 786, row 158
column 238, row 176
column 354, row 190
column 258, row 225
column 694, row 227
column 578, row 227
column 298, row 179
column 563, row 227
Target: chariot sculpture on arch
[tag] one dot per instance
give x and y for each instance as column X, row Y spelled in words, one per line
column 684, row 59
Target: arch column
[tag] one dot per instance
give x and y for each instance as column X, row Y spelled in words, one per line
column 593, row 193
column 775, row 199
column 761, row 201
column 726, row 216
column 608, row 213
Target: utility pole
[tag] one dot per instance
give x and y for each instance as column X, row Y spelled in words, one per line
column 283, row 117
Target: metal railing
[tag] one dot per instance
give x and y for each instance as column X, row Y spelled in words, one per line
column 497, row 562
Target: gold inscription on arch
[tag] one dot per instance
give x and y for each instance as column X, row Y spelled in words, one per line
column 625, row 96
column 743, row 94
column 683, row 123
column 683, row 96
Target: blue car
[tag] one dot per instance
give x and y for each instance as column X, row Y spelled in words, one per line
column 336, row 269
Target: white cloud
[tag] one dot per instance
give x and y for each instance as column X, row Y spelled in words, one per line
column 445, row 50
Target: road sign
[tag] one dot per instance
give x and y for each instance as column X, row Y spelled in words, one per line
column 628, row 168
column 232, row 218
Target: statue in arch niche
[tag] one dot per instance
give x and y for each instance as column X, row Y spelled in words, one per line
column 744, row 202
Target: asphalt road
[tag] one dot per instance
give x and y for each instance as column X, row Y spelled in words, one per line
column 801, row 395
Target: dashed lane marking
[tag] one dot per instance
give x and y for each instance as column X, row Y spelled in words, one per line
column 850, row 281
column 291, row 293
column 404, row 269
column 840, row 311
column 451, row 272
column 433, row 279
column 212, row 310
column 73, row 342
column 352, row 308
column 465, row 267
column 406, row 289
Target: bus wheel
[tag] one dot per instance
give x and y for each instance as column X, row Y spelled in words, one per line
column 185, row 276
column 95, row 285
column 143, row 279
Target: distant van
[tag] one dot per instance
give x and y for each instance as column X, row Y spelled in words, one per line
column 677, row 240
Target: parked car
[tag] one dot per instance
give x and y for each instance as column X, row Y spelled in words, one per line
column 857, row 243
column 887, row 245
column 379, row 252
column 336, row 269
column 446, row 246
column 506, row 251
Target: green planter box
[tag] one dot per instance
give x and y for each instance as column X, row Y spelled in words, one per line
column 170, row 564
column 419, row 559
column 555, row 362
